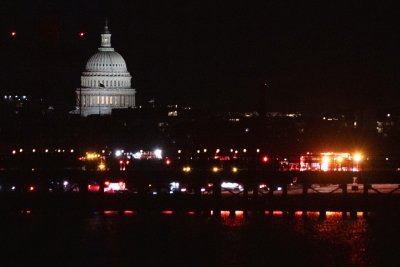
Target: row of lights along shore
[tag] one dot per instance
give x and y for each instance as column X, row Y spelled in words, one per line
column 34, row 150
column 58, row 150
column 217, row 151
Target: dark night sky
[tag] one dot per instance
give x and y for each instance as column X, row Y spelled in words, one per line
column 315, row 56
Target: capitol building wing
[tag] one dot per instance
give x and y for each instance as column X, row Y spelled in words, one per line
column 105, row 83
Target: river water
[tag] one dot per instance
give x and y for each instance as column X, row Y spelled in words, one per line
column 166, row 239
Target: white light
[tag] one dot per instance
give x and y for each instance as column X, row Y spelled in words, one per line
column 21, row 150
column 174, row 186
column 244, row 150
column 72, row 151
column 137, row 155
column 258, row 150
column 158, row 153
column 65, row 183
column 13, row 188
column 198, row 151
column 118, row 153
column 103, row 151
column 279, row 188
column 202, row 189
column 183, row 189
column 33, row 150
column 217, row 151
column 46, row 150
column 205, row 150
column 179, row 151
column 154, row 193
column 229, row 185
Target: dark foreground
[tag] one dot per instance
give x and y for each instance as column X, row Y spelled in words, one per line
column 188, row 240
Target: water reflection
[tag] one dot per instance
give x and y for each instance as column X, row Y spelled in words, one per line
column 126, row 238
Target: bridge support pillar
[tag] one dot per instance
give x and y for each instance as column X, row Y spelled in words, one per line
column 344, row 214
column 305, row 189
column 232, row 213
column 365, row 214
column 322, row 215
column 353, row 214
column 344, row 188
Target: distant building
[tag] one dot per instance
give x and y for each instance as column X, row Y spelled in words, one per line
column 388, row 123
column 105, row 83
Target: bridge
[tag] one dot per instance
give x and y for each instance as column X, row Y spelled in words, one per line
column 202, row 191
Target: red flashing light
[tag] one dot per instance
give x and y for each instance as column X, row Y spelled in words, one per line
column 121, row 162
column 31, row 188
column 13, row 34
column 265, row 159
column 168, row 162
column 81, row 34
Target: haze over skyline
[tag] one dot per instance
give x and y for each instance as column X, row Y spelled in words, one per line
column 314, row 56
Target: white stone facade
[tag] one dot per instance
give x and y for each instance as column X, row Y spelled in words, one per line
column 105, row 83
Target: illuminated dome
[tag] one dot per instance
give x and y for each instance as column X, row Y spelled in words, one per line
column 105, row 82
column 106, row 61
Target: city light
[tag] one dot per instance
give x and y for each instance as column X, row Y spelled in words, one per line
column 215, row 169
column 101, row 167
column 118, row 153
column 158, row 153
column 325, row 163
column 234, row 169
column 357, row 157
column 186, row 169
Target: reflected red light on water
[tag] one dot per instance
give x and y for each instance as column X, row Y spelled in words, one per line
column 110, row 212
column 224, row 213
column 191, row 212
column 93, row 188
column 239, row 213
column 28, row 212
column 167, row 212
column 277, row 212
column 129, row 212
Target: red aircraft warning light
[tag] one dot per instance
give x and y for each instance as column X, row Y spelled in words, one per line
column 13, row 33
column 81, row 34
column 264, row 159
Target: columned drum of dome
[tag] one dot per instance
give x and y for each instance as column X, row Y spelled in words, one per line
column 105, row 82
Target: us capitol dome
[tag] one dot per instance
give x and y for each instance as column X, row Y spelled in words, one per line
column 105, row 82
